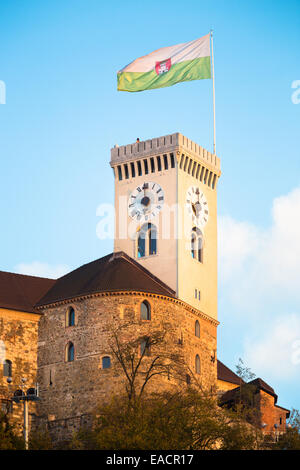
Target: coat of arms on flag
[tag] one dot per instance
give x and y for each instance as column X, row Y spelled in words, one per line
column 163, row 66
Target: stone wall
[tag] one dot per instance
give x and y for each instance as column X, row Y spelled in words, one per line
column 18, row 337
column 69, row 390
column 271, row 414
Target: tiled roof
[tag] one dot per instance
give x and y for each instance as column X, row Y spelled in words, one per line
column 114, row 272
column 21, row 292
column 227, row 375
column 261, row 385
column 258, row 383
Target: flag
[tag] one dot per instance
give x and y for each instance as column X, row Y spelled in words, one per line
column 167, row 66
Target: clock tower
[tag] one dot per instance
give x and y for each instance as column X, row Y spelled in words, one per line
column 166, row 214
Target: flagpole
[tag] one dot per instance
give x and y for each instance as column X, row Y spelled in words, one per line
column 213, row 82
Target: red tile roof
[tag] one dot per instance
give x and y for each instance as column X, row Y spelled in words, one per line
column 227, row 375
column 21, row 292
column 114, row 272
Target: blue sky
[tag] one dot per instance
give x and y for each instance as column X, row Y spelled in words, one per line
column 63, row 113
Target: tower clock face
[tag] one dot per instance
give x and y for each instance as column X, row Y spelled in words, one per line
column 197, row 206
column 146, row 201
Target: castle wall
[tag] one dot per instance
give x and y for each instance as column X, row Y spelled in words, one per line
column 271, row 414
column 69, row 390
column 19, row 335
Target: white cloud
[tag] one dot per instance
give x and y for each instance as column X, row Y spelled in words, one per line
column 276, row 354
column 260, row 288
column 256, row 263
column 37, row 268
column 237, row 241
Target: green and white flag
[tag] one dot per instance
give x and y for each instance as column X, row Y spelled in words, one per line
column 167, row 66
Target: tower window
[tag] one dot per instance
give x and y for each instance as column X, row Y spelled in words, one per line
column 197, row 244
column 106, row 363
column 152, row 165
column 132, row 170
column 201, row 174
column 145, row 311
column 120, row 173
column 70, row 352
column 7, row 368
column 185, row 163
column 197, row 329
column 214, row 182
column 126, row 171
column 139, row 168
column 197, row 364
column 166, row 162
column 158, row 163
column 172, row 160
column 141, row 245
column 205, row 177
column 146, row 167
column 152, row 237
column 181, row 161
column 147, row 241
column 193, row 245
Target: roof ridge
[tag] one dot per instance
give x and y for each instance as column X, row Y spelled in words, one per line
column 156, row 279
column 26, row 275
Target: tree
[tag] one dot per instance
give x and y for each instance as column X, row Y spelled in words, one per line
column 9, row 439
column 290, row 440
column 169, row 420
column 244, row 372
column 144, row 357
column 246, row 404
column 39, row 440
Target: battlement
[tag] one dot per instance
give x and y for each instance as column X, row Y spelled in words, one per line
column 171, row 143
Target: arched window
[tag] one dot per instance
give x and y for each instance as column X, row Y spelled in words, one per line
column 106, row 362
column 152, row 237
column 197, row 244
column 147, row 241
column 197, row 364
column 193, row 244
column 70, row 317
column 70, row 352
column 197, row 329
column 7, row 368
column 145, row 311
column 141, row 251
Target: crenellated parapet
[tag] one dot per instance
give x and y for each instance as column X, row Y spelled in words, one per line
column 164, row 153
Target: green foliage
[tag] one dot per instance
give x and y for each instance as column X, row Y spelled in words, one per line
column 291, row 439
column 40, row 441
column 288, row 441
column 168, row 421
column 9, row 439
